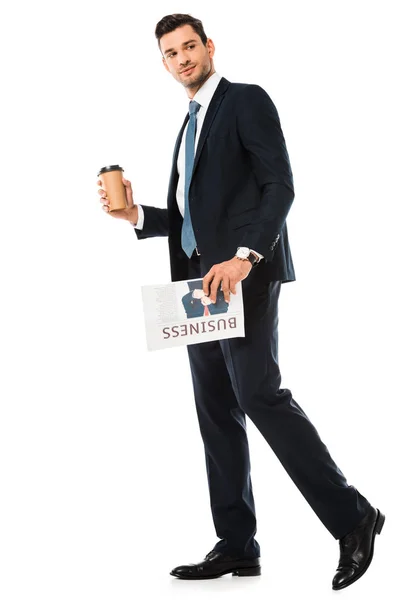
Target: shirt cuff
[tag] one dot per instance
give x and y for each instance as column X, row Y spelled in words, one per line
column 140, row 221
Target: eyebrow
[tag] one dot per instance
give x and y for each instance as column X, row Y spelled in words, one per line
column 184, row 44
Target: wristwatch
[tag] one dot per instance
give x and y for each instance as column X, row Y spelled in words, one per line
column 244, row 253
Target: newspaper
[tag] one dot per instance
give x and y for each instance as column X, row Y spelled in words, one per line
column 179, row 314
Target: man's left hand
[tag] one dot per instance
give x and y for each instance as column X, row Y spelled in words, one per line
column 228, row 273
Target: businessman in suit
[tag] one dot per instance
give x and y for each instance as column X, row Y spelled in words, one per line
column 197, row 304
column 230, row 190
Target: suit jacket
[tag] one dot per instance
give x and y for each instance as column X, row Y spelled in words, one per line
column 195, row 308
column 241, row 188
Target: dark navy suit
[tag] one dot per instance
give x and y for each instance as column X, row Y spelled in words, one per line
column 240, row 194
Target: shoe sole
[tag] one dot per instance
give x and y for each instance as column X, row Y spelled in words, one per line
column 239, row 572
column 377, row 529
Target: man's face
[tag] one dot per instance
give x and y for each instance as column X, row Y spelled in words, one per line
column 183, row 48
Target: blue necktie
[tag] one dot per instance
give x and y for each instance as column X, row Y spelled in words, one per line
column 187, row 237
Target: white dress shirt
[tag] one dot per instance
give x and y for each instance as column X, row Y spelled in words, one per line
column 203, row 97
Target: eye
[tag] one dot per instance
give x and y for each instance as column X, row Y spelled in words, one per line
column 173, row 53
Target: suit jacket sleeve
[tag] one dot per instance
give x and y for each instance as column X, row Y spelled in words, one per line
column 155, row 223
column 260, row 133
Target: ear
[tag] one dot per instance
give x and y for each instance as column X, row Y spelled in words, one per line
column 210, row 47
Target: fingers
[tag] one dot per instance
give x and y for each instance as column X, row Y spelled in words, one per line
column 103, row 198
column 214, row 287
column 218, row 278
column 206, row 281
column 225, row 287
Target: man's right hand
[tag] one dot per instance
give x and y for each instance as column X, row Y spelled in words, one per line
column 130, row 213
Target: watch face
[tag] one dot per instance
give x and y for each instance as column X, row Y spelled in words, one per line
column 243, row 252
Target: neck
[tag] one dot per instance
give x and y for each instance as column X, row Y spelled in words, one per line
column 193, row 91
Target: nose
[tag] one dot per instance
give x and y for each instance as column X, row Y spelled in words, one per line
column 183, row 59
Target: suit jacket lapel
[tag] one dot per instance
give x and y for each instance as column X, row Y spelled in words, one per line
column 178, row 141
column 209, row 118
column 173, row 179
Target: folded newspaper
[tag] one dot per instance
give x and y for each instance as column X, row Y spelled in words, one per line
column 179, row 314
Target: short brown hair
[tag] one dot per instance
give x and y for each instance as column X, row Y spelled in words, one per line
column 171, row 22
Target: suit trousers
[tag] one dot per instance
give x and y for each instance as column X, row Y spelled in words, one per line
column 240, row 377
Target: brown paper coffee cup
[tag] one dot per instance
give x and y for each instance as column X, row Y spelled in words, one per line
column 111, row 182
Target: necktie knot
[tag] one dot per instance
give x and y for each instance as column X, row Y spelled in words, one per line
column 193, row 107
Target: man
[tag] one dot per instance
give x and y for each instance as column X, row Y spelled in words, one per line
column 230, row 190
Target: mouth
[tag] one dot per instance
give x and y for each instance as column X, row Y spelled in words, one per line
column 187, row 71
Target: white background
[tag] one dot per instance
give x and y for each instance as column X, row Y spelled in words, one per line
column 103, row 480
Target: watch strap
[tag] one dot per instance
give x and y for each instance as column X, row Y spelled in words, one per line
column 251, row 257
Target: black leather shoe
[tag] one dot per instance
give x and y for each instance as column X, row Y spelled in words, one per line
column 216, row 564
column 357, row 549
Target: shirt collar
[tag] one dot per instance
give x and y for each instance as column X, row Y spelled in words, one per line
column 205, row 93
